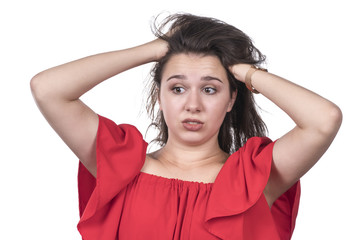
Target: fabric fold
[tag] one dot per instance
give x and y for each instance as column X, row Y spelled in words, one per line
column 285, row 210
column 237, row 208
column 120, row 157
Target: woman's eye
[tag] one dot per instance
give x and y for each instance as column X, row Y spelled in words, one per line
column 209, row 90
column 178, row 90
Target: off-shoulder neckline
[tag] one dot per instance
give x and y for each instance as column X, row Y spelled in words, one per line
column 162, row 179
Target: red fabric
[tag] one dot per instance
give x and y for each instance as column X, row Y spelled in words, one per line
column 124, row 203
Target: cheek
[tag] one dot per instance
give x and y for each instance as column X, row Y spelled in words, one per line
column 222, row 104
column 170, row 107
column 219, row 111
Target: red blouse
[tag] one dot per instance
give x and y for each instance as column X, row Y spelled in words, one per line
column 124, row 203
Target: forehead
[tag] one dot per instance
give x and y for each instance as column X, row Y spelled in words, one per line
column 194, row 65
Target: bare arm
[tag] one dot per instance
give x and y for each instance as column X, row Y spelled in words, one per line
column 317, row 122
column 57, row 92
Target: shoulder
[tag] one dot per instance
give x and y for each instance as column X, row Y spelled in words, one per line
column 256, row 147
column 108, row 129
column 257, row 142
column 151, row 164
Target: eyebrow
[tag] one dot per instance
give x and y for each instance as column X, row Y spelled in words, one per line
column 183, row 77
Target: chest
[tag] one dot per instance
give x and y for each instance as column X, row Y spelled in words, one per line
column 164, row 208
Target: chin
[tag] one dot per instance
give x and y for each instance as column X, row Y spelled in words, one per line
column 194, row 139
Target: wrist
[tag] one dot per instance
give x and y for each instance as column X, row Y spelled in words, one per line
column 248, row 77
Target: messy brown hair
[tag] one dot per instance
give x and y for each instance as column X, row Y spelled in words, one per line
column 209, row 36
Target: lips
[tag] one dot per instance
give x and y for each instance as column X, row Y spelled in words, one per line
column 191, row 124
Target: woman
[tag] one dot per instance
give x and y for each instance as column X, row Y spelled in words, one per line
column 216, row 176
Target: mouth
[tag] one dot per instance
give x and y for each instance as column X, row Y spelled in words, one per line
column 192, row 121
column 192, row 124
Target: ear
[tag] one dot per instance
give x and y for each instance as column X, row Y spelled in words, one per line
column 232, row 101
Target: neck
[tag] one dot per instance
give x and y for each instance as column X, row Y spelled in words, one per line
column 188, row 157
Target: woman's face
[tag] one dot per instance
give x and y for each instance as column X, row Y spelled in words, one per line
column 194, row 97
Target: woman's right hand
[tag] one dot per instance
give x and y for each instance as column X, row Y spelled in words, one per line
column 161, row 48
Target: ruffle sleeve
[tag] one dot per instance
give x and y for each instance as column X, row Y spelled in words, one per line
column 237, row 208
column 120, row 155
column 285, row 209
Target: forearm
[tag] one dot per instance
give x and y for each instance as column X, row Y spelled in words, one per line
column 71, row 80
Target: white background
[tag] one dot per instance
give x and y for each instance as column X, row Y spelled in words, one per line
column 313, row 43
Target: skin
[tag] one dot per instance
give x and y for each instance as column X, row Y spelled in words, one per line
column 194, row 87
column 317, row 122
column 57, row 92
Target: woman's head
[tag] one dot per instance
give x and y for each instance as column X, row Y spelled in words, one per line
column 194, row 98
column 207, row 37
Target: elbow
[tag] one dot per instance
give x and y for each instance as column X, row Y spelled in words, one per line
column 35, row 85
column 332, row 121
column 38, row 88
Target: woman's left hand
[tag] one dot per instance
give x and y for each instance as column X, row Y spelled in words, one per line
column 239, row 71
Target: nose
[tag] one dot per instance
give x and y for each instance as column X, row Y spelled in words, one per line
column 193, row 102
